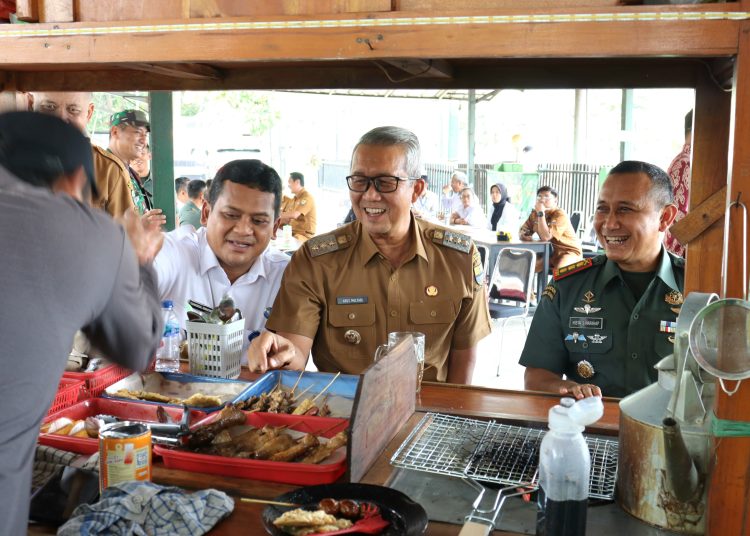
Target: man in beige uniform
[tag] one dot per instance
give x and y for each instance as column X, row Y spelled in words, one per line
column 299, row 211
column 344, row 291
column 552, row 224
column 112, row 180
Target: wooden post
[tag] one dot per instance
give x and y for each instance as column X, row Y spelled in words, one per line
column 55, row 10
column 162, row 147
column 728, row 509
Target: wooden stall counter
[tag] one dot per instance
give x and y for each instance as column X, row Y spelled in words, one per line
column 521, row 407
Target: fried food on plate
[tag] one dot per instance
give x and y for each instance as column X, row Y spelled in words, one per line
column 304, row 518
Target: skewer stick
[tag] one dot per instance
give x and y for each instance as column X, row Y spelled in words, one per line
column 327, row 386
column 263, row 501
column 323, row 432
column 297, row 382
column 302, row 393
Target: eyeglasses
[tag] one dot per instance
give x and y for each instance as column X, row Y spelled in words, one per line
column 383, row 183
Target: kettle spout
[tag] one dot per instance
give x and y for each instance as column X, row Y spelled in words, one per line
column 682, row 475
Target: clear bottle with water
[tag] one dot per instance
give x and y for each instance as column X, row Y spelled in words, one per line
column 168, row 353
column 564, row 468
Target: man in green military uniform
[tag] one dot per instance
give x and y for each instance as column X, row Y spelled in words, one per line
column 128, row 135
column 604, row 323
column 344, row 291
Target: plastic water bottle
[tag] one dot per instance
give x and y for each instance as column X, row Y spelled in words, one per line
column 564, row 468
column 168, row 353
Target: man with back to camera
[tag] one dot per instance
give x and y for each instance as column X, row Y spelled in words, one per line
column 299, row 211
column 229, row 253
column 190, row 214
column 605, row 322
column 65, row 267
column 344, row 291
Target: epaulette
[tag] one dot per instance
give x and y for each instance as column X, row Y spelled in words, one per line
column 570, row 269
column 452, row 239
column 328, row 243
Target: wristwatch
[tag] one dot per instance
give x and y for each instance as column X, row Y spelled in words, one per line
column 539, row 214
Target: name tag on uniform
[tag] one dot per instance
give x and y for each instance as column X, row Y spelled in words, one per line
column 350, row 300
column 585, row 322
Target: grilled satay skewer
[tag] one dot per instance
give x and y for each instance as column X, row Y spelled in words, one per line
column 297, row 450
column 336, row 377
column 322, row 452
column 297, row 382
column 228, row 417
column 277, row 444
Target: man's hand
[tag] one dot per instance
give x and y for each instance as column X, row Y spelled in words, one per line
column 539, row 207
column 270, row 351
column 145, row 239
column 153, row 218
column 581, row 390
column 539, row 379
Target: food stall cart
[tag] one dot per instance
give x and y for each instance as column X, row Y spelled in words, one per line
column 431, row 44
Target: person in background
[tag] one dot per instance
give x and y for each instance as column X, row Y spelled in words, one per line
column 604, row 323
column 427, row 204
column 142, row 166
column 128, row 135
column 190, row 214
column 299, row 211
column 344, row 291
column 229, row 254
column 65, row 267
column 679, row 173
column 503, row 216
column 550, row 223
column 470, row 213
column 180, row 192
column 459, row 181
column 77, row 108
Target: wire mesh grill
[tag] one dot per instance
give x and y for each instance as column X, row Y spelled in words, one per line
column 492, row 452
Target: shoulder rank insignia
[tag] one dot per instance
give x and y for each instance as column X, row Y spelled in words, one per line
column 565, row 271
column 549, row 292
column 452, row 239
column 327, row 243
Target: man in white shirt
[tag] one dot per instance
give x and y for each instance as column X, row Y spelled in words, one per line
column 427, row 204
column 230, row 254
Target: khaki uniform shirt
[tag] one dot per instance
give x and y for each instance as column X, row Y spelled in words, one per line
column 590, row 327
column 305, row 226
column 339, row 291
column 564, row 239
column 113, row 183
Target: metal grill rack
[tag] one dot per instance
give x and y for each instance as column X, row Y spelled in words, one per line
column 491, row 452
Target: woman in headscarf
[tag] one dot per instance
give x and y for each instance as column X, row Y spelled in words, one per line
column 504, row 216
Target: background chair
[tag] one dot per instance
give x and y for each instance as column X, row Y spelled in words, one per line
column 510, row 288
column 575, row 220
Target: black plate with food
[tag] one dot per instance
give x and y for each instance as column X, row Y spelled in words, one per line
column 406, row 517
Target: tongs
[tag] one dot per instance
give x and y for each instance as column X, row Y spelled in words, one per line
column 165, row 433
column 480, row 522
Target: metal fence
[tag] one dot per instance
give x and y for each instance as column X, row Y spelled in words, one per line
column 576, row 184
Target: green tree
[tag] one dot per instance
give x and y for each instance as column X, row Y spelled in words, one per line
column 105, row 104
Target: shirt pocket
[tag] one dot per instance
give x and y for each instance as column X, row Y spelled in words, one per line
column 662, row 346
column 359, row 318
column 431, row 318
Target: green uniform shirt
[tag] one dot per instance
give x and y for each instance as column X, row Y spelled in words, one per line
column 589, row 326
column 190, row 213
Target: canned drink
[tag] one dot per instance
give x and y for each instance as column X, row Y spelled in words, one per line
column 124, row 453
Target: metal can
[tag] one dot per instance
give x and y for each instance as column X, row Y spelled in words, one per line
column 124, row 453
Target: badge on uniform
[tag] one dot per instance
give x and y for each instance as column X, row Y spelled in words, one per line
column 596, row 338
column 303, row 202
column 575, row 337
column 589, row 297
column 431, row 290
column 585, row 369
column 549, row 291
column 478, row 268
column 352, row 336
column 587, row 309
column 673, row 297
column 665, row 326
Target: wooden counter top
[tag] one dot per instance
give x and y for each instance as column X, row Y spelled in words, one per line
column 458, row 400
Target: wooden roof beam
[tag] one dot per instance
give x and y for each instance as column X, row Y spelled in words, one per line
column 419, row 68
column 188, row 71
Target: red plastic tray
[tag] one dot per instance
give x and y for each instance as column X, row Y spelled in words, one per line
column 96, row 382
column 117, row 408
column 67, row 394
column 284, row 472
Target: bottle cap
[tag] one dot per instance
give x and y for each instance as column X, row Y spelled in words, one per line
column 167, row 304
column 571, row 416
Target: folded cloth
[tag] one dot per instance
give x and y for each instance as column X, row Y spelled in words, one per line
column 144, row 508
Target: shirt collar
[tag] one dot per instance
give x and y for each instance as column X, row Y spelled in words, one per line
column 664, row 270
column 368, row 249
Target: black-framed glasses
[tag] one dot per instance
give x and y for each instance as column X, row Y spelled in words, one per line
column 383, row 183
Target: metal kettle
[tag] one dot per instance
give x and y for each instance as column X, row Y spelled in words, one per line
column 665, row 437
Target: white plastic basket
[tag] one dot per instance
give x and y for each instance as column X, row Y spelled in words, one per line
column 215, row 349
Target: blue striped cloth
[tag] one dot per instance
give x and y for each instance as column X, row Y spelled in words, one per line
column 144, row 508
